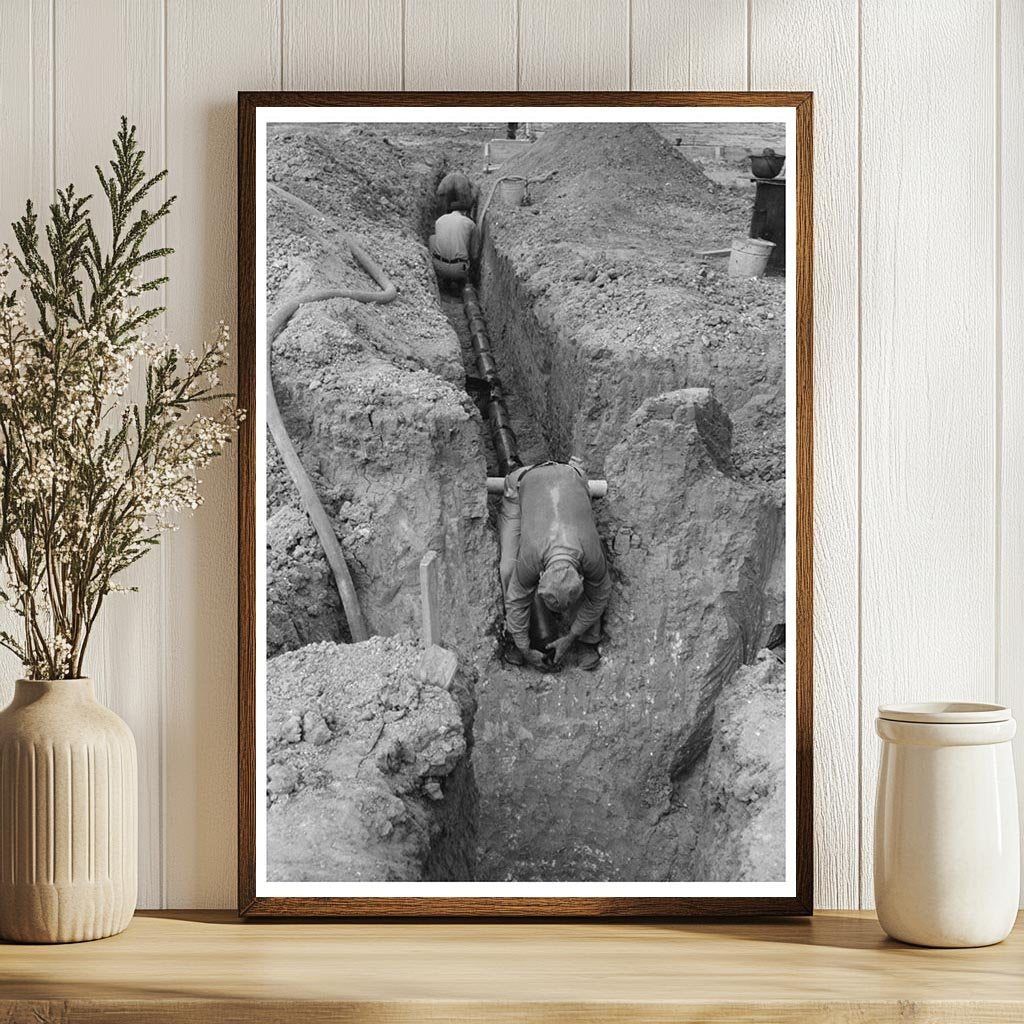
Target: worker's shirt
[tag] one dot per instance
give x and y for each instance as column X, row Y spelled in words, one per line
column 556, row 521
column 453, row 236
column 457, row 188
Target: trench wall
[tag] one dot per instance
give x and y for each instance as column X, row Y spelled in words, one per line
column 569, row 378
column 369, row 777
column 373, row 397
column 664, row 377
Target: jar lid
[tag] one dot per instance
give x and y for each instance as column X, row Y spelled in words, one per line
column 945, row 713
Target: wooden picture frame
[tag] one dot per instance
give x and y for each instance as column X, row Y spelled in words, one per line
column 251, row 902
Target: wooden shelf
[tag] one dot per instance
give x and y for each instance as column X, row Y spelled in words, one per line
column 203, row 967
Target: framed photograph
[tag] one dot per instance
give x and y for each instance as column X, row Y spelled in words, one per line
column 525, row 504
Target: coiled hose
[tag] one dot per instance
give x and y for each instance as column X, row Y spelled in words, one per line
column 307, row 492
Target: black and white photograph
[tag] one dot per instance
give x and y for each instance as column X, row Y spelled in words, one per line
column 525, row 469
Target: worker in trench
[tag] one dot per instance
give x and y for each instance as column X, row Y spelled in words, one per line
column 454, row 249
column 552, row 566
column 455, row 191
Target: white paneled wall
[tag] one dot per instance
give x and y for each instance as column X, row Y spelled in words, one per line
column 919, row 322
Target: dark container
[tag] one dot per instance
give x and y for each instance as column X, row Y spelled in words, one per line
column 767, row 165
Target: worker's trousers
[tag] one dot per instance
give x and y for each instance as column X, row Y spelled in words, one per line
column 456, row 274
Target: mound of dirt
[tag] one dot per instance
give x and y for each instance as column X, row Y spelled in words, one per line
column 303, row 606
column 596, row 298
column 368, row 773
column 740, row 785
column 615, row 166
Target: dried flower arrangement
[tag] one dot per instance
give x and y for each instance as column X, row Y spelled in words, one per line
column 90, row 477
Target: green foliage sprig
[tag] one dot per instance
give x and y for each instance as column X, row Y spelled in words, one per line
column 89, row 477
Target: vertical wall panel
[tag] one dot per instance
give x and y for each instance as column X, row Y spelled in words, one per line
column 468, row 45
column 26, row 109
column 574, row 44
column 1011, row 263
column 213, row 50
column 125, row 656
column 937, row 611
column 700, row 44
column 830, row 70
column 342, row 44
column 928, row 363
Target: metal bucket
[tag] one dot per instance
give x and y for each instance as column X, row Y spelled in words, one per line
column 512, row 191
column 749, row 257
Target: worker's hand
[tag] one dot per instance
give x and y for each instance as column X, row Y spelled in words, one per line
column 560, row 648
column 534, row 658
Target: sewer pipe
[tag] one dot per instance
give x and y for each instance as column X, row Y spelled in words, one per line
column 506, row 444
column 597, row 488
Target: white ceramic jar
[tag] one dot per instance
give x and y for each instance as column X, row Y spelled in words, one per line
column 947, row 848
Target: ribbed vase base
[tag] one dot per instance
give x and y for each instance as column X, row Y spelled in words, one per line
column 68, row 815
column 77, row 913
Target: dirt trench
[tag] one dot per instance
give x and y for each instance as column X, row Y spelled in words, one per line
column 589, row 775
column 647, row 365
column 622, row 348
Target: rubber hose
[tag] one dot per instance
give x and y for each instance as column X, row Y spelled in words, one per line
column 307, row 492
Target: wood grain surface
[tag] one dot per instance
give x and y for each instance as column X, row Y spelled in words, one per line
column 574, row 44
column 701, row 44
column 355, row 42
column 928, row 513
column 482, row 32
column 1009, row 270
column 903, row 93
column 833, row 67
column 200, row 967
column 84, row 121
column 213, row 51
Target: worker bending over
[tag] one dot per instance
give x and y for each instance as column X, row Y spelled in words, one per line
column 552, row 564
column 456, row 192
column 454, row 248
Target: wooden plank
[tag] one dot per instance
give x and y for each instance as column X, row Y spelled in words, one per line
column 26, row 107
column 574, row 44
column 468, row 45
column 26, row 127
column 928, row 369
column 211, row 968
column 25, row 116
column 431, row 626
column 342, row 44
column 126, row 656
column 830, row 70
column 1010, row 376
column 213, row 50
column 700, row 44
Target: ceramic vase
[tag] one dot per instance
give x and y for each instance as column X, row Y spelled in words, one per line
column 68, row 815
column 947, row 848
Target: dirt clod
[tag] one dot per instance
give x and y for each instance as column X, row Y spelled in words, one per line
column 335, row 795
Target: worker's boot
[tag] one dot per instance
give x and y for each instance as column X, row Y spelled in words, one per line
column 587, row 657
column 511, row 655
